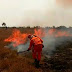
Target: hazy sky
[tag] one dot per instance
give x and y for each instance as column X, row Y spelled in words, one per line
column 36, row 12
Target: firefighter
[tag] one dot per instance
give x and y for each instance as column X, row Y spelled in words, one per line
column 36, row 45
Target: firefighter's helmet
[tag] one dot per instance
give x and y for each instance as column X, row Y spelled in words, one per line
column 29, row 36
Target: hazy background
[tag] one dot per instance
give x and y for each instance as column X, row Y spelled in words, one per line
column 36, row 12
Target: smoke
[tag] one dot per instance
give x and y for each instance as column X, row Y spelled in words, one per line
column 19, row 48
column 51, row 40
column 64, row 3
column 49, row 44
column 23, row 47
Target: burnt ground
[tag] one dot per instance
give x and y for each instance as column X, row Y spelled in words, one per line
column 10, row 61
column 61, row 60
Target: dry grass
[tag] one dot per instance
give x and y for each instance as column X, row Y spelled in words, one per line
column 10, row 61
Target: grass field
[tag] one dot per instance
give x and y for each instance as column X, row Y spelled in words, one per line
column 10, row 61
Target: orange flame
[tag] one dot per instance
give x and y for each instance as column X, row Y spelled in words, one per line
column 60, row 34
column 51, row 31
column 39, row 32
column 17, row 38
column 55, row 33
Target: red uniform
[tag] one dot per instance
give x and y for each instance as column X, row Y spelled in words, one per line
column 36, row 46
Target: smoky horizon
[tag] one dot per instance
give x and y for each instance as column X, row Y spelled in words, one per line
column 36, row 13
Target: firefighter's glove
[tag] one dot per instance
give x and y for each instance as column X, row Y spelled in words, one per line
column 42, row 46
column 28, row 50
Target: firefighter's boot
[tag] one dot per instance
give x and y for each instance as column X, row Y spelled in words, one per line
column 37, row 64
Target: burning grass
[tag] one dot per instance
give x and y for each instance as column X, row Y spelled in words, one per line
column 10, row 61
